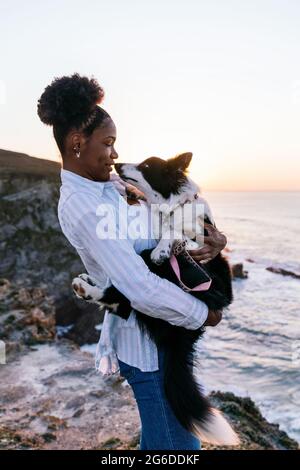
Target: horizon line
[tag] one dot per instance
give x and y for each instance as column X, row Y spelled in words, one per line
column 202, row 188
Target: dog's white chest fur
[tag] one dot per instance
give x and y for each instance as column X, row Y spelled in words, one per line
column 173, row 222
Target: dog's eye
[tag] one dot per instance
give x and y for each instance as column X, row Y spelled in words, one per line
column 146, row 165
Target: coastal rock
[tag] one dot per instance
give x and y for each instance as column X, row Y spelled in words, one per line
column 27, row 316
column 31, row 236
column 31, row 240
column 52, row 398
column 254, row 430
column 283, row 272
column 80, row 317
column 238, row 271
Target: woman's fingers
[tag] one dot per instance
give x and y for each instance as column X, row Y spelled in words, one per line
column 200, row 251
column 214, row 242
column 210, row 228
column 200, row 258
column 209, row 240
column 202, row 255
column 205, row 259
column 214, row 317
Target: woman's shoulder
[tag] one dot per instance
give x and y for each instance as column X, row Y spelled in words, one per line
column 76, row 203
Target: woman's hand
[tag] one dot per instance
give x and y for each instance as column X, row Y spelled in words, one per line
column 133, row 194
column 214, row 242
column 214, row 317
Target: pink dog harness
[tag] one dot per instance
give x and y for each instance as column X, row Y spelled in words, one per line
column 180, row 249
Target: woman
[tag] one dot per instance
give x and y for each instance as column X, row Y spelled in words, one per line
column 86, row 135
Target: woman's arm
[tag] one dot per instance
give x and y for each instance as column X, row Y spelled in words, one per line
column 128, row 272
column 147, row 292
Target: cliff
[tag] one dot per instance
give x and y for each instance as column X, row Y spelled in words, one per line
column 34, row 254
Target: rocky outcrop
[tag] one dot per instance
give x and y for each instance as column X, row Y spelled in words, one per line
column 238, row 272
column 283, row 272
column 254, row 430
column 32, row 247
column 52, row 398
column 29, row 316
column 34, row 254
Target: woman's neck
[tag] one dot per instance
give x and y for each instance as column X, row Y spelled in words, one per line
column 72, row 165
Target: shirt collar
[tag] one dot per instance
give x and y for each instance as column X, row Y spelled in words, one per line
column 79, row 181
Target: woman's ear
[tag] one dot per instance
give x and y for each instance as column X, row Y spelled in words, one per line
column 77, row 140
column 180, row 162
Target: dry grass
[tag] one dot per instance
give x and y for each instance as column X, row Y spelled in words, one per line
column 20, row 163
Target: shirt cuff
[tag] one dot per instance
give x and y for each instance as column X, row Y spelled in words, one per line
column 197, row 318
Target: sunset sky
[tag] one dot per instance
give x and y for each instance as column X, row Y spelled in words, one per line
column 220, row 78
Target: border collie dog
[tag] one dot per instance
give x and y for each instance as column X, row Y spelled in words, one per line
column 166, row 185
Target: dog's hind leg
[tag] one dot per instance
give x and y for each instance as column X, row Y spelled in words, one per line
column 85, row 288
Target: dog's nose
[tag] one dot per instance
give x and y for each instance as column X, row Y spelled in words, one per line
column 118, row 167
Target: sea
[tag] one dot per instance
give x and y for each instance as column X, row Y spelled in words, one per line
column 255, row 350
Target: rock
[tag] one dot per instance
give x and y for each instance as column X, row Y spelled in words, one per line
column 250, row 260
column 253, row 429
column 56, row 400
column 78, row 413
column 30, row 233
column 31, row 240
column 238, row 271
column 75, row 402
column 63, row 396
column 68, row 309
column 5, row 287
column 83, row 331
column 283, row 272
column 82, row 316
column 27, row 316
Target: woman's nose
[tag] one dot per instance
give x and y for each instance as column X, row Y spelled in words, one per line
column 114, row 154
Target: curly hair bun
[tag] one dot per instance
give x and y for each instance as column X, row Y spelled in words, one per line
column 69, row 100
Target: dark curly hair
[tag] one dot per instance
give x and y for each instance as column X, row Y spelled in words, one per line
column 71, row 102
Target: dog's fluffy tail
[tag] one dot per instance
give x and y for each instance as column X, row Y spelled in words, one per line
column 190, row 406
column 215, row 429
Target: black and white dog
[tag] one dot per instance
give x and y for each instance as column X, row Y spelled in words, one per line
column 166, row 185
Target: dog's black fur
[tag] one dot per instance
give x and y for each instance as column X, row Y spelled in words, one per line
column 182, row 391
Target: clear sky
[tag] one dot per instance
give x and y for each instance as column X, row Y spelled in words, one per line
column 220, row 78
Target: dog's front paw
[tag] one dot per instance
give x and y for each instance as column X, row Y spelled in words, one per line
column 158, row 256
column 85, row 288
column 191, row 245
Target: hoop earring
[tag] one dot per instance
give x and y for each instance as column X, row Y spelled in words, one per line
column 77, row 151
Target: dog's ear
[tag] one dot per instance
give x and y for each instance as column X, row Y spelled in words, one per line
column 180, row 162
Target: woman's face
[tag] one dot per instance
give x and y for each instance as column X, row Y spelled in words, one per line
column 97, row 152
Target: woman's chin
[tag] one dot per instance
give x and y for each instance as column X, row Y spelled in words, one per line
column 103, row 177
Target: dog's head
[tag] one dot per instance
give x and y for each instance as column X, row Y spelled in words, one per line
column 158, row 179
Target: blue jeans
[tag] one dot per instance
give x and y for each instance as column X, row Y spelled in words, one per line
column 160, row 428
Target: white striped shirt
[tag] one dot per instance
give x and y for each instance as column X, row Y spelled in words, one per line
column 117, row 260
